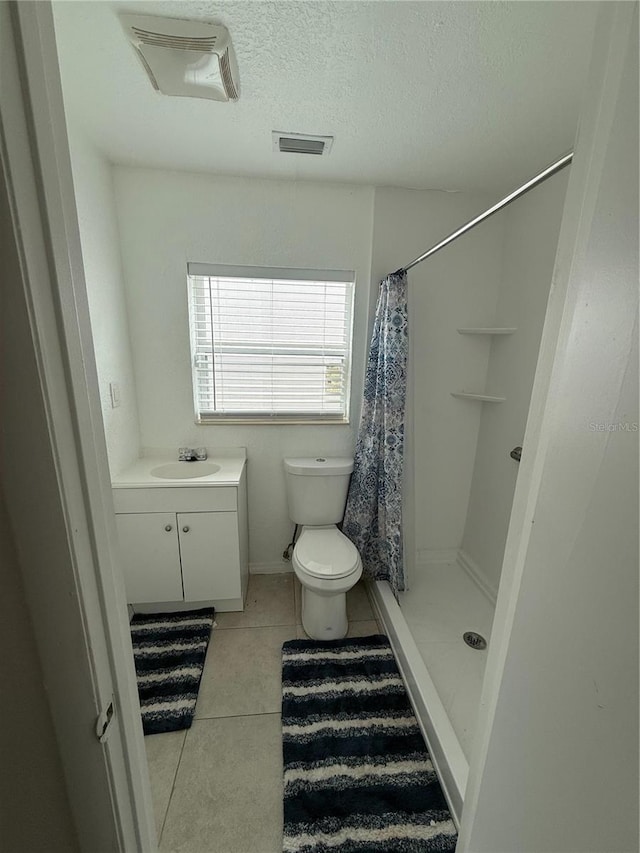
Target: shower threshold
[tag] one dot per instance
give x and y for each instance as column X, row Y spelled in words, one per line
column 448, row 758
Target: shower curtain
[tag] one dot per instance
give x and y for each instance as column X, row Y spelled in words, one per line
column 373, row 514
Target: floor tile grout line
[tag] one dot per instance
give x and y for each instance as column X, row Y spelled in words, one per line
column 173, row 787
column 247, row 627
column 240, row 716
column 371, row 618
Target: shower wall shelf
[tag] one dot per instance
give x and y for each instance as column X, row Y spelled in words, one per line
column 482, row 398
column 483, row 330
column 498, row 330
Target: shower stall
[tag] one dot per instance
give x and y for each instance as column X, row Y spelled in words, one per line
column 476, row 314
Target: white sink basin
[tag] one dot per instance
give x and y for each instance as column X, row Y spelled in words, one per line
column 184, row 470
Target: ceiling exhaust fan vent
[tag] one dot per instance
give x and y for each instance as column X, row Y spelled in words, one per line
column 189, row 59
column 204, row 43
column 301, row 143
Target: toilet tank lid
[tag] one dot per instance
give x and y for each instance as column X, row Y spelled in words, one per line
column 318, row 466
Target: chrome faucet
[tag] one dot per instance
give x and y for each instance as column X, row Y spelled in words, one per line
column 188, row 454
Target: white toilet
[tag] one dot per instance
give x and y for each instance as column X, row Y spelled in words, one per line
column 326, row 562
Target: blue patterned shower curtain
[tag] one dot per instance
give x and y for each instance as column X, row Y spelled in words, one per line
column 373, row 514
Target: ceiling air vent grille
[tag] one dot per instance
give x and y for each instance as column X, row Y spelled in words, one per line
column 301, row 143
column 290, row 145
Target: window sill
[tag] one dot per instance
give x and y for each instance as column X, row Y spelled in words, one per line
column 230, row 421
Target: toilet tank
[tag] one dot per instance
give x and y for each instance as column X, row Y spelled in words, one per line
column 317, row 488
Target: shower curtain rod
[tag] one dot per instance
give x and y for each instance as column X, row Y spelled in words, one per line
column 529, row 185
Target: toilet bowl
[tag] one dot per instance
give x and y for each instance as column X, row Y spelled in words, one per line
column 328, row 565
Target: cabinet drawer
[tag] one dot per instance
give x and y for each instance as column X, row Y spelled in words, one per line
column 208, row 499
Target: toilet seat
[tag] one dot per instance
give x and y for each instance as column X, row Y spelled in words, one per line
column 326, row 553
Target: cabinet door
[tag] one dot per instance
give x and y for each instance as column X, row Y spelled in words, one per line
column 150, row 556
column 210, row 555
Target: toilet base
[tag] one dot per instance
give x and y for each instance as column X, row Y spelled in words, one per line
column 324, row 617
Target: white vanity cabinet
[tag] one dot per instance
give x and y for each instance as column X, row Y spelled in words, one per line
column 183, row 544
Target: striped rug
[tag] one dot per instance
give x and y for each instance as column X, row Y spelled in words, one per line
column 169, row 651
column 357, row 775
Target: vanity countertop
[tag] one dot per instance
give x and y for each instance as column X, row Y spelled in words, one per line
column 169, row 472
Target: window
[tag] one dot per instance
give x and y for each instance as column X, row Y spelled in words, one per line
column 270, row 345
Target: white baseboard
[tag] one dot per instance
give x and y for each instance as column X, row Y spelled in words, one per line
column 226, row 605
column 434, row 555
column 477, row 576
column 276, row 568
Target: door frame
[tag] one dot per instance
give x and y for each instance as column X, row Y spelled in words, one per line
column 79, row 616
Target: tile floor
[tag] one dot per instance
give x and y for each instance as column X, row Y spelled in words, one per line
column 217, row 788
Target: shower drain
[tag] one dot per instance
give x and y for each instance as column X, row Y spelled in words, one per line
column 476, row 641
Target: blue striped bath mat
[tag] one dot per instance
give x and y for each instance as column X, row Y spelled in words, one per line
column 357, row 775
column 169, row 651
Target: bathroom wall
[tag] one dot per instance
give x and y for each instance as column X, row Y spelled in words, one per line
column 169, row 218
column 165, row 219
column 92, row 177
column 532, row 226
column 456, row 287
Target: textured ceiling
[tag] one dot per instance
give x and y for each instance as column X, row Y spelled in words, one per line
column 440, row 95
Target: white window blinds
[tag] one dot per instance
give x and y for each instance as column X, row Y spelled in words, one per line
column 270, row 344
